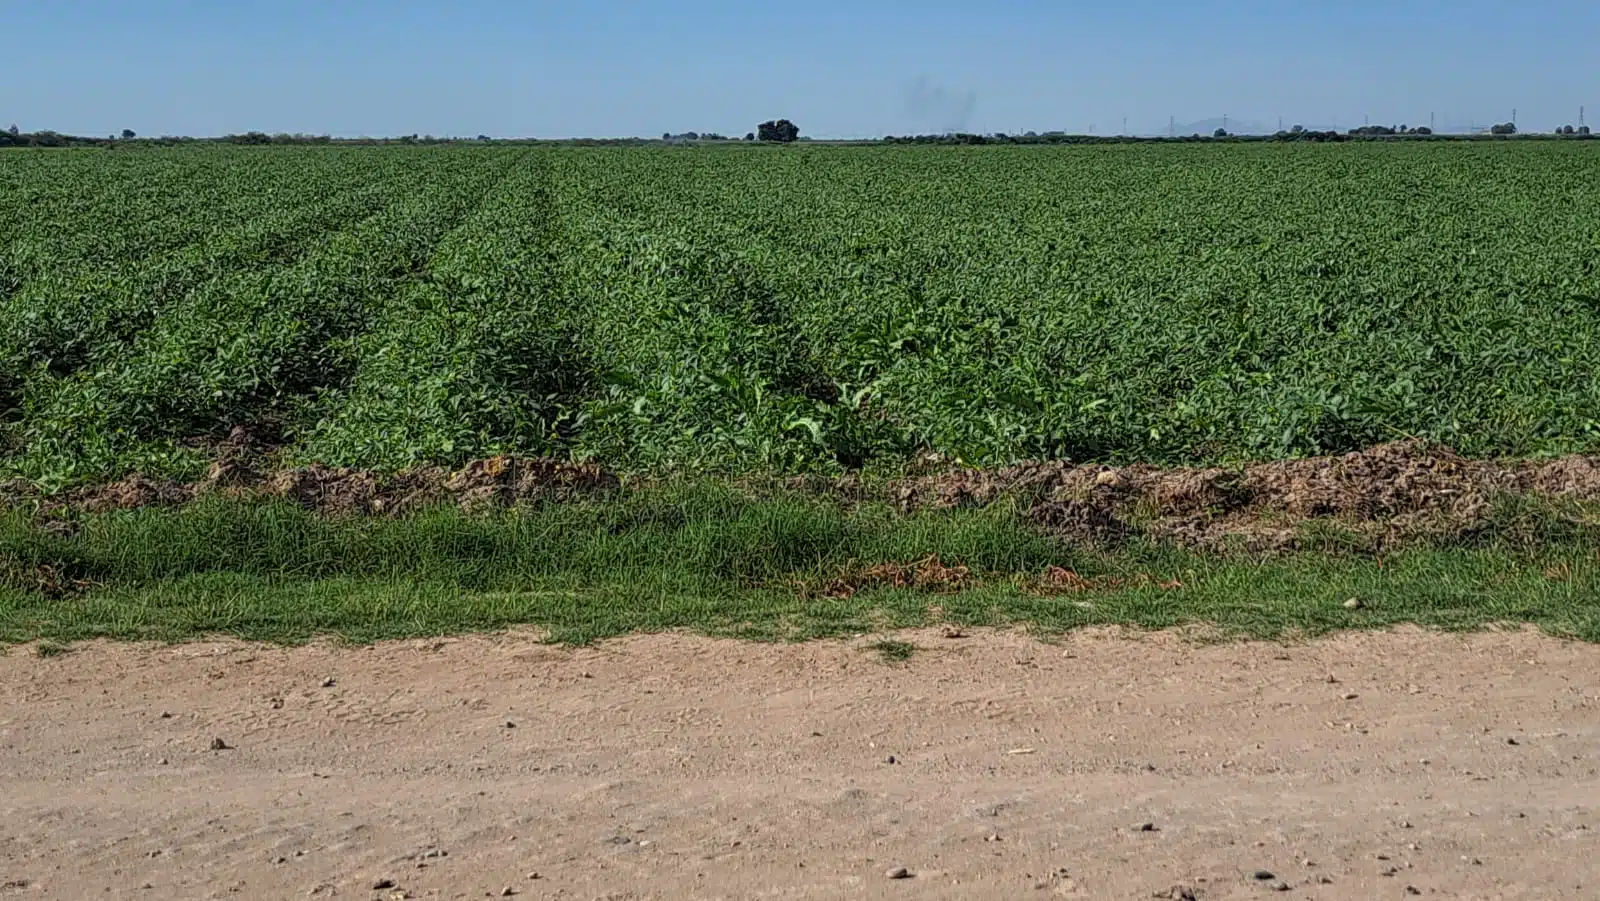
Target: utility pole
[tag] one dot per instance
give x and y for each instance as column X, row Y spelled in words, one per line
column 1513, row 116
column 1224, row 121
column 1580, row 117
column 1124, row 126
column 1280, row 123
column 1172, row 126
column 1430, row 121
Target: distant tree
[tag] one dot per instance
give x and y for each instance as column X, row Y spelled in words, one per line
column 13, row 131
column 128, row 135
column 750, row 136
column 485, row 138
column 1422, row 130
column 780, row 131
column 1298, row 129
column 1220, row 133
column 1504, row 128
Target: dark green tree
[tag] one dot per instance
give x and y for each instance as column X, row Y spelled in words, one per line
column 780, row 131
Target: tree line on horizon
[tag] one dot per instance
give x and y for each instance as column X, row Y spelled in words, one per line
column 784, row 131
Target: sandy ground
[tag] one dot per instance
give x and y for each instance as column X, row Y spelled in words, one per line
column 991, row 766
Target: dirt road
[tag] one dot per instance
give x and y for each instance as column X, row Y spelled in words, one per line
column 990, row 766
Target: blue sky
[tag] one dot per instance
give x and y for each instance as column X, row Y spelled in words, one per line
column 863, row 68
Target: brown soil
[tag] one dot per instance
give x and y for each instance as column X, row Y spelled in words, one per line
column 1387, row 765
column 1377, row 497
column 1373, row 499
column 929, row 574
column 497, row 481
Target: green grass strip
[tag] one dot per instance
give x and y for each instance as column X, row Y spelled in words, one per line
column 711, row 559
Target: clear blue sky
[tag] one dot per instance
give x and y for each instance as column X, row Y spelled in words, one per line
column 868, row 67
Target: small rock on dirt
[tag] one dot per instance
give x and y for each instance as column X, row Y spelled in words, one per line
column 329, row 682
column 507, row 892
column 1178, row 893
column 1146, row 827
column 218, row 744
column 898, row 873
column 1264, row 876
column 382, row 884
column 1280, row 886
column 1110, row 479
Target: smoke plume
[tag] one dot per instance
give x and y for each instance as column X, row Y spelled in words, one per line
column 938, row 109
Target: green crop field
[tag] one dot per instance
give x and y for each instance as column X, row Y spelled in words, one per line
column 751, row 309
column 699, row 313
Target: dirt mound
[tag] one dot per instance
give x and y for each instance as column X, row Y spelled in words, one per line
column 1372, row 499
column 498, row 481
column 132, row 493
column 1380, row 495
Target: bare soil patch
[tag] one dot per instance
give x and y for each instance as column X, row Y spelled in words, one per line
column 1109, row 765
column 1381, row 496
